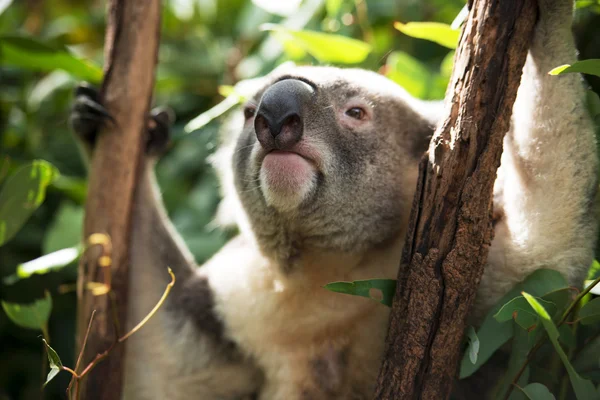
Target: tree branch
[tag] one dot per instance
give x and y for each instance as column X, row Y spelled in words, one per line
column 450, row 230
column 131, row 48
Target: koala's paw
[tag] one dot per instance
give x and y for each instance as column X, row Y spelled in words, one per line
column 88, row 116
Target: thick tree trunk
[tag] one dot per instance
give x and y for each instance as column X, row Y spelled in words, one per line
column 450, row 229
column 131, row 48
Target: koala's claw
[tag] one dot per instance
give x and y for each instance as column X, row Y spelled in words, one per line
column 88, row 115
column 159, row 130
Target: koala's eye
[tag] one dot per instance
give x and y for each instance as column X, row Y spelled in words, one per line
column 249, row 112
column 356, row 113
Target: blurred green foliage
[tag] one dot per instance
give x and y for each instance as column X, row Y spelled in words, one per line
column 205, row 44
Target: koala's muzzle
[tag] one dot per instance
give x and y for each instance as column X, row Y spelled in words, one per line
column 279, row 121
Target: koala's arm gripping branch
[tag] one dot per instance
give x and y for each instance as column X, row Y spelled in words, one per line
column 450, row 231
column 131, row 52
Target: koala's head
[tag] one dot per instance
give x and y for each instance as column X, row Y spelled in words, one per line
column 327, row 159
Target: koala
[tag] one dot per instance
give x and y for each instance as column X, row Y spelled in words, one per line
column 319, row 174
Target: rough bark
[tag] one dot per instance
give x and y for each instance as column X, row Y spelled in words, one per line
column 131, row 47
column 450, row 230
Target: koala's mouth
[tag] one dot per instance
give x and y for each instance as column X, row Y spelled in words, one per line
column 287, row 178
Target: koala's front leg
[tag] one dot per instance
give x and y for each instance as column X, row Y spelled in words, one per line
column 547, row 182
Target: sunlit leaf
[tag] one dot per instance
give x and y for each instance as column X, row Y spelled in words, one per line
column 326, row 47
column 4, row 5
column 591, row 67
column 22, row 194
column 278, row 7
column 583, row 388
column 473, row 348
column 32, row 316
column 437, row 32
column 536, row 391
column 586, row 3
column 409, row 73
column 29, row 53
column 381, row 290
column 54, row 361
column 333, row 7
column 44, row 264
column 493, row 334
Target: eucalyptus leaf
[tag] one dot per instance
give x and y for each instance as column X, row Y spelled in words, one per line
column 31, row 316
column 589, row 314
column 22, row 194
column 325, row 47
column 29, row 53
column 381, row 290
column 473, row 348
column 409, row 73
column 44, row 264
column 584, row 389
column 54, row 361
column 493, row 334
column 536, row 391
column 590, row 67
column 520, row 310
column 437, row 32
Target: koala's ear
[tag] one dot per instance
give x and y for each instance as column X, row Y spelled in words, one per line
column 420, row 133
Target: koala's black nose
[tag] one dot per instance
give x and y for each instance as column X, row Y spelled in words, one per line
column 279, row 121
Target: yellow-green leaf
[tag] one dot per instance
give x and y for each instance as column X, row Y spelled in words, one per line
column 325, row 47
column 437, row 32
column 590, row 67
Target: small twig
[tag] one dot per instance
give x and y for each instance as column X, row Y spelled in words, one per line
column 154, row 310
column 80, row 356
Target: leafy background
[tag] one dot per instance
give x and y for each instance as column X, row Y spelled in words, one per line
column 206, row 45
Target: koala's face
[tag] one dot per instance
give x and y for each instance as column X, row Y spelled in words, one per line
column 327, row 158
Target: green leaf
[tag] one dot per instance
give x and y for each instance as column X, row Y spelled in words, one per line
column 29, row 53
column 536, row 391
column 520, row 310
column 22, row 194
column 593, row 103
column 584, row 389
column 31, row 316
column 54, row 361
column 437, row 32
column 589, row 314
column 591, row 67
column 325, row 47
column 409, row 73
column 381, row 290
column 473, row 348
column 65, row 230
column 493, row 334
column 333, row 7
column 44, row 264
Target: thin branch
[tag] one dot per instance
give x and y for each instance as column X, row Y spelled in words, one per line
column 154, row 310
